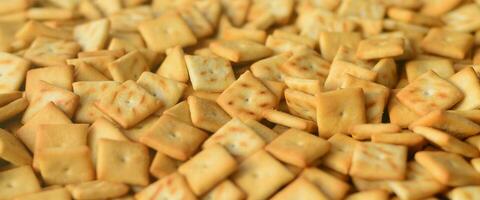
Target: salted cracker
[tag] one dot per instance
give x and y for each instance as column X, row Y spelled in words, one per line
column 92, row 35
column 455, row 124
column 211, row 74
column 301, row 104
column 374, row 48
column 163, row 165
column 307, row 64
column 196, row 21
column 166, row 90
column 51, row 52
column 289, row 120
column 415, row 68
column 13, row 108
column 240, row 50
column 128, row 67
column 172, row 186
column 18, row 181
column 447, row 43
column 90, row 92
column 330, row 42
column 13, row 70
column 467, row 81
column 174, row 66
column 225, row 189
column 366, row 131
column 97, row 189
column 300, row 188
column 206, row 114
column 58, row 76
column 102, row 128
column 331, row 186
column 12, row 150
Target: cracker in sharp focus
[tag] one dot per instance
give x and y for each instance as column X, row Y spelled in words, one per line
column 12, row 150
column 97, row 189
column 128, row 67
column 407, row 139
column 467, row 81
column 330, row 42
column 447, row 43
column 269, row 68
column 260, row 175
column 208, row 168
column 237, row 138
column 398, row 113
column 206, row 114
column 128, row 104
column 64, row 166
column 301, row 104
column 90, row 92
column 123, row 161
column 339, row 158
column 163, row 165
column 18, row 181
column 102, row 128
column 166, row 31
column 338, row 110
column 263, row 131
column 92, row 35
column 168, row 91
column 136, row 132
column 369, row 161
column 170, row 187
column 448, row 168
column 100, row 63
column 174, row 66
column 85, row 72
column 58, row 76
column 44, row 93
column 180, row 111
column 300, row 188
column 236, row 10
column 275, row 87
column 225, row 190
column 209, row 74
column 298, row 148
column 12, row 72
column 51, row 52
column 380, row 48
column 376, row 96
column 415, row 68
column 289, row 120
column 305, row 63
column 387, row 72
column 455, row 124
column 365, row 131
column 246, row 98
column 240, row 50
column 310, row 86
column 196, row 21
column 174, row 138
column 377, row 194
column 331, row 186
column 429, row 92
column 59, row 193
column 13, row 108
column 447, row 142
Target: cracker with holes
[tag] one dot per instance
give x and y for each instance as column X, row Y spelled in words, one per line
column 64, row 166
column 197, row 22
column 100, row 63
column 18, row 181
column 365, row 131
column 128, row 104
column 298, row 148
column 210, row 74
column 58, row 76
column 288, row 120
column 85, row 72
column 338, row 110
column 447, row 142
column 410, row 140
column 369, row 161
column 301, row 104
column 163, row 165
column 128, row 67
column 166, row 31
column 180, row 111
column 13, row 150
column 448, row 168
column 100, row 129
column 281, row 10
column 260, row 175
column 374, row 48
column 13, row 108
column 12, row 72
column 174, row 138
column 246, row 98
column 240, row 50
column 269, row 68
column 174, row 66
column 225, row 190
column 307, row 64
column 398, row 113
column 376, row 96
column 92, row 35
column 172, row 186
column 339, row 158
column 123, row 161
column 330, row 42
column 300, row 188
column 447, row 43
column 309, row 86
column 237, row 138
column 429, row 92
column 206, row 114
column 236, row 10
column 263, row 131
column 282, row 45
column 138, row 130
column 168, row 91
column 97, row 189
column 415, row 68
column 453, row 123
column 51, row 52
column 90, row 92
column 467, row 81
column 208, row 168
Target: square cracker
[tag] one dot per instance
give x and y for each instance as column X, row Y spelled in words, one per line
column 102, row 128
column 467, row 81
column 331, row 41
column 237, row 138
column 128, row 104
column 174, row 138
column 309, row 86
column 453, row 123
column 123, row 161
column 225, row 190
column 85, row 72
column 92, row 35
column 206, row 114
column 298, row 148
column 410, row 140
column 211, row 74
column 263, row 131
column 197, row 22
column 269, row 68
column 12, row 150
column 338, row 110
column 301, row 188
column 100, row 63
column 305, row 63
column 339, row 158
column 240, row 50
column 465, row 192
column 260, row 175
column 281, row 10
column 18, row 181
column 61, row 136
column 236, row 10
column 386, row 72
column 163, row 165
column 301, row 104
column 429, row 92
column 447, row 43
column 128, row 67
column 166, row 31
column 64, row 166
column 13, row 108
column 171, row 187
column 174, row 66
column 365, row 131
column 377, row 194
column 208, row 168
column 44, row 93
column 51, row 52
column 376, row 96
column 398, row 113
column 57, row 193
column 12, row 72
column 369, row 161
column 448, row 168
column 58, row 76
column 90, row 92
column 288, row 120
column 331, row 186
column 180, row 111
column 246, row 98
column 376, row 48
column 415, row 68
column 168, row 91
column 97, row 189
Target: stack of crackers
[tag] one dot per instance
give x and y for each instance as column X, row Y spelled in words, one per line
column 239, row 99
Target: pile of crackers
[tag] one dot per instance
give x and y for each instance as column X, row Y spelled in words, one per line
column 239, row 99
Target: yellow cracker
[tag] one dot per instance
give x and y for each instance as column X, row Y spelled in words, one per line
column 206, row 114
column 12, row 72
column 54, row 194
column 163, row 165
column 376, row 194
column 8, row 97
column 434, row 8
column 330, row 42
column 100, row 63
column 398, row 113
column 181, row 111
column 167, row 31
column 172, row 186
column 209, row 74
column 387, row 72
column 13, row 108
column 448, row 168
column 128, row 67
column 275, row 87
column 90, row 92
column 197, row 22
column 102, row 128
column 128, row 104
column 288, row 120
column 240, row 50
column 365, row 131
column 49, row 13
column 455, row 124
column 166, row 90
column 298, row 148
column 58, row 76
column 211, row 9
column 174, row 138
column 85, row 72
column 300, row 188
column 466, row 192
column 380, row 48
column 18, row 181
column 128, row 19
column 225, row 190
column 233, row 33
column 51, row 52
column 12, row 150
column 467, row 81
column 263, row 131
column 331, row 186
column 339, row 157
column 406, row 139
column 429, row 92
column 123, row 161
column 363, row 9
column 338, row 110
column 260, row 175
column 236, row 10
column 174, row 66
column 281, row 10
column 97, row 189
column 310, row 86
column 461, row 19
column 115, row 53
column 282, row 34
column 92, row 35
column 301, row 104
column 269, row 68
column 282, row 45
column 446, row 43
column 136, row 132
column 409, row 16
column 237, row 138
column 305, row 63
column 415, row 68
